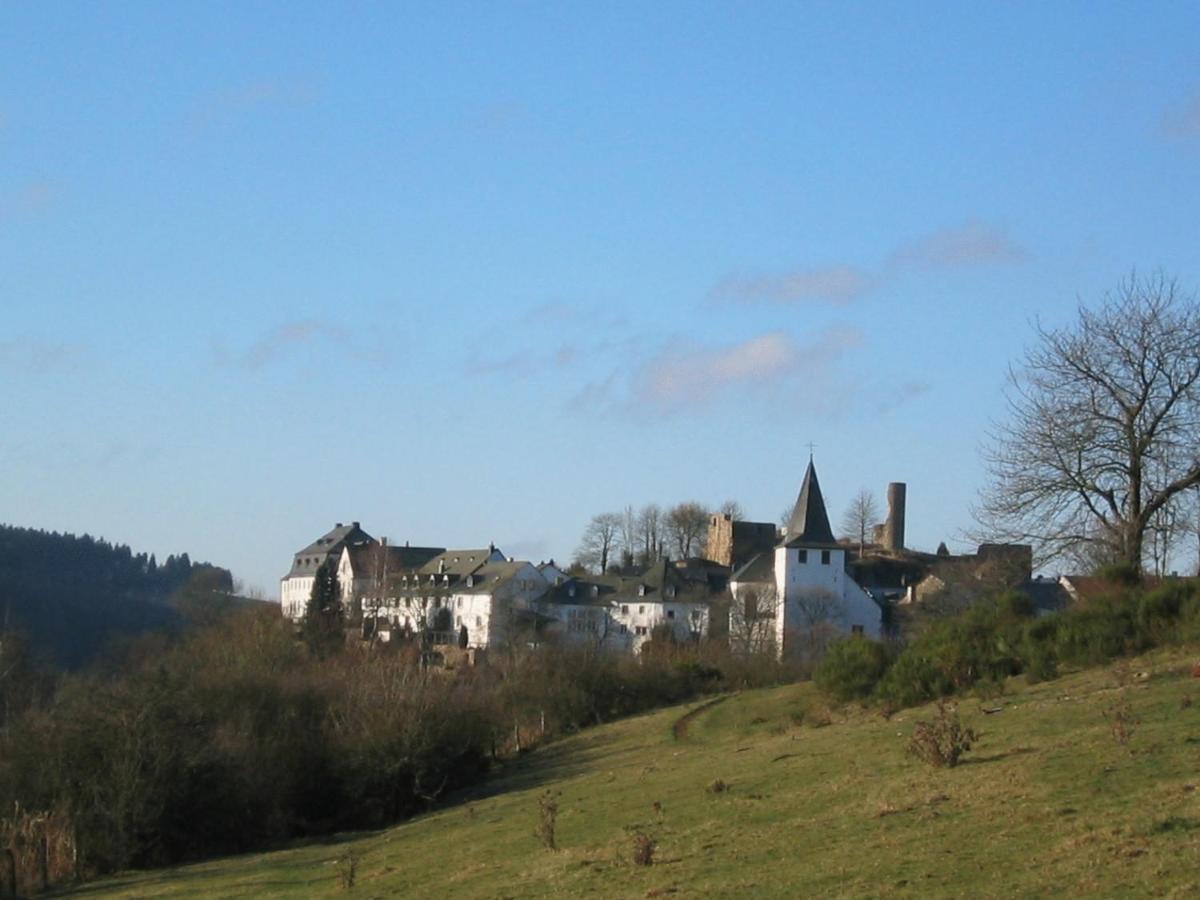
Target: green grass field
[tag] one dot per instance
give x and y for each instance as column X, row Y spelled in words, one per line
column 819, row 802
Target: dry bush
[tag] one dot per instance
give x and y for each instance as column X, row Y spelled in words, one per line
column 643, row 848
column 347, row 869
column 547, row 820
column 1121, row 720
column 943, row 741
column 718, row 787
column 42, row 846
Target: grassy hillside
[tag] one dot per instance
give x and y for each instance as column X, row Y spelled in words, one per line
column 819, row 803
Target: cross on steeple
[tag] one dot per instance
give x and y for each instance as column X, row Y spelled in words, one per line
column 811, row 447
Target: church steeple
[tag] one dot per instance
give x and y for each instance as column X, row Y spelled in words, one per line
column 809, row 523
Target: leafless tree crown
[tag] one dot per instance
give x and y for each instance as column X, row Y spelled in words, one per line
column 1103, row 426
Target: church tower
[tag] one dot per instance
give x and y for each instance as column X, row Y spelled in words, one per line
column 812, row 587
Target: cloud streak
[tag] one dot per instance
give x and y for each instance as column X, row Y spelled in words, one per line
column 686, row 378
column 28, row 199
column 838, row 285
column 38, row 356
column 218, row 109
column 974, row 243
column 971, row 244
column 281, row 342
column 1184, row 122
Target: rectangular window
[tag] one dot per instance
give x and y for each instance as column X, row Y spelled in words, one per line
column 824, row 557
column 624, row 608
column 670, row 613
column 641, row 609
column 624, row 629
column 802, row 556
column 641, row 629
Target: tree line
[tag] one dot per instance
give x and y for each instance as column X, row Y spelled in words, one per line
column 240, row 735
column 72, row 594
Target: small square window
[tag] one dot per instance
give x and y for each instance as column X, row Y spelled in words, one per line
column 670, row 613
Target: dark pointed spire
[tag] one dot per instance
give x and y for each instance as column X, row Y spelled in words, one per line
column 809, row 523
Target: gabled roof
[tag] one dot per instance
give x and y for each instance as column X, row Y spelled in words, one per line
column 760, row 569
column 809, row 524
column 459, row 562
column 374, row 560
column 308, row 560
column 489, row 578
column 339, row 537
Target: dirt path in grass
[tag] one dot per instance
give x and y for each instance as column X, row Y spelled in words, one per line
column 680, row 728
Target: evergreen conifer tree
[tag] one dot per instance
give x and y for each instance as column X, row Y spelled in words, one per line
column 324, row 617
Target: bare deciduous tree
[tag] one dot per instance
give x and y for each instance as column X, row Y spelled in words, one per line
column 1104, row 425
column 650, row 528
column 820, row 617
column 733, row 509
column 687, row 527
column 752, row 619
column 861, row 516
column 600, row 541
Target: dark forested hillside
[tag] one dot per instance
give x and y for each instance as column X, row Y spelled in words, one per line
column 70, row 595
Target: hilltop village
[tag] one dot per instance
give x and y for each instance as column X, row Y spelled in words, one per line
column 785, row 591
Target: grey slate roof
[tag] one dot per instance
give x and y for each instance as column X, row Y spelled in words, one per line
column 308, row 560
column 373, row 560
column 760, row 569
column 809, row 524
column 660, row 583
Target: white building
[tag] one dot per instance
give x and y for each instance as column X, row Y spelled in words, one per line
column 365, row 570
column 296, row 586
column 623, row 612
column 801, row 590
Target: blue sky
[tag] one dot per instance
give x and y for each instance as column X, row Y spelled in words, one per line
column 474, row 272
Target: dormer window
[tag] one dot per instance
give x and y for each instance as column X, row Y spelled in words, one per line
column 595, row 590
column 571, row 591
column 470, row 581
column 671, row 591
column 641, row 590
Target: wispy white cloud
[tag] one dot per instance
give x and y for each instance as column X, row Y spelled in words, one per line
column 27, row 199
column 685, row 377
column 970, row 244
column 838, row 285
column 34, row 355
column 281, row 341
column 1184, row 121
column 219, row 108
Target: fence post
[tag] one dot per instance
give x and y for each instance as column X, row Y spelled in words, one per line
column 10, row 875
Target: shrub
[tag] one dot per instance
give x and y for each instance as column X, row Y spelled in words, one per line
column 1014, row 605
column 1121, row 720
column 942, row 741
column 1099, row 633
column 717, row 787
column 1038, row 656
column 852, row 668
column 547, row 820
column 643, row 848
column 1160, row 611
column 913, row 679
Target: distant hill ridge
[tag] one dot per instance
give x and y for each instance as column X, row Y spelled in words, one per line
column 71, row 594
